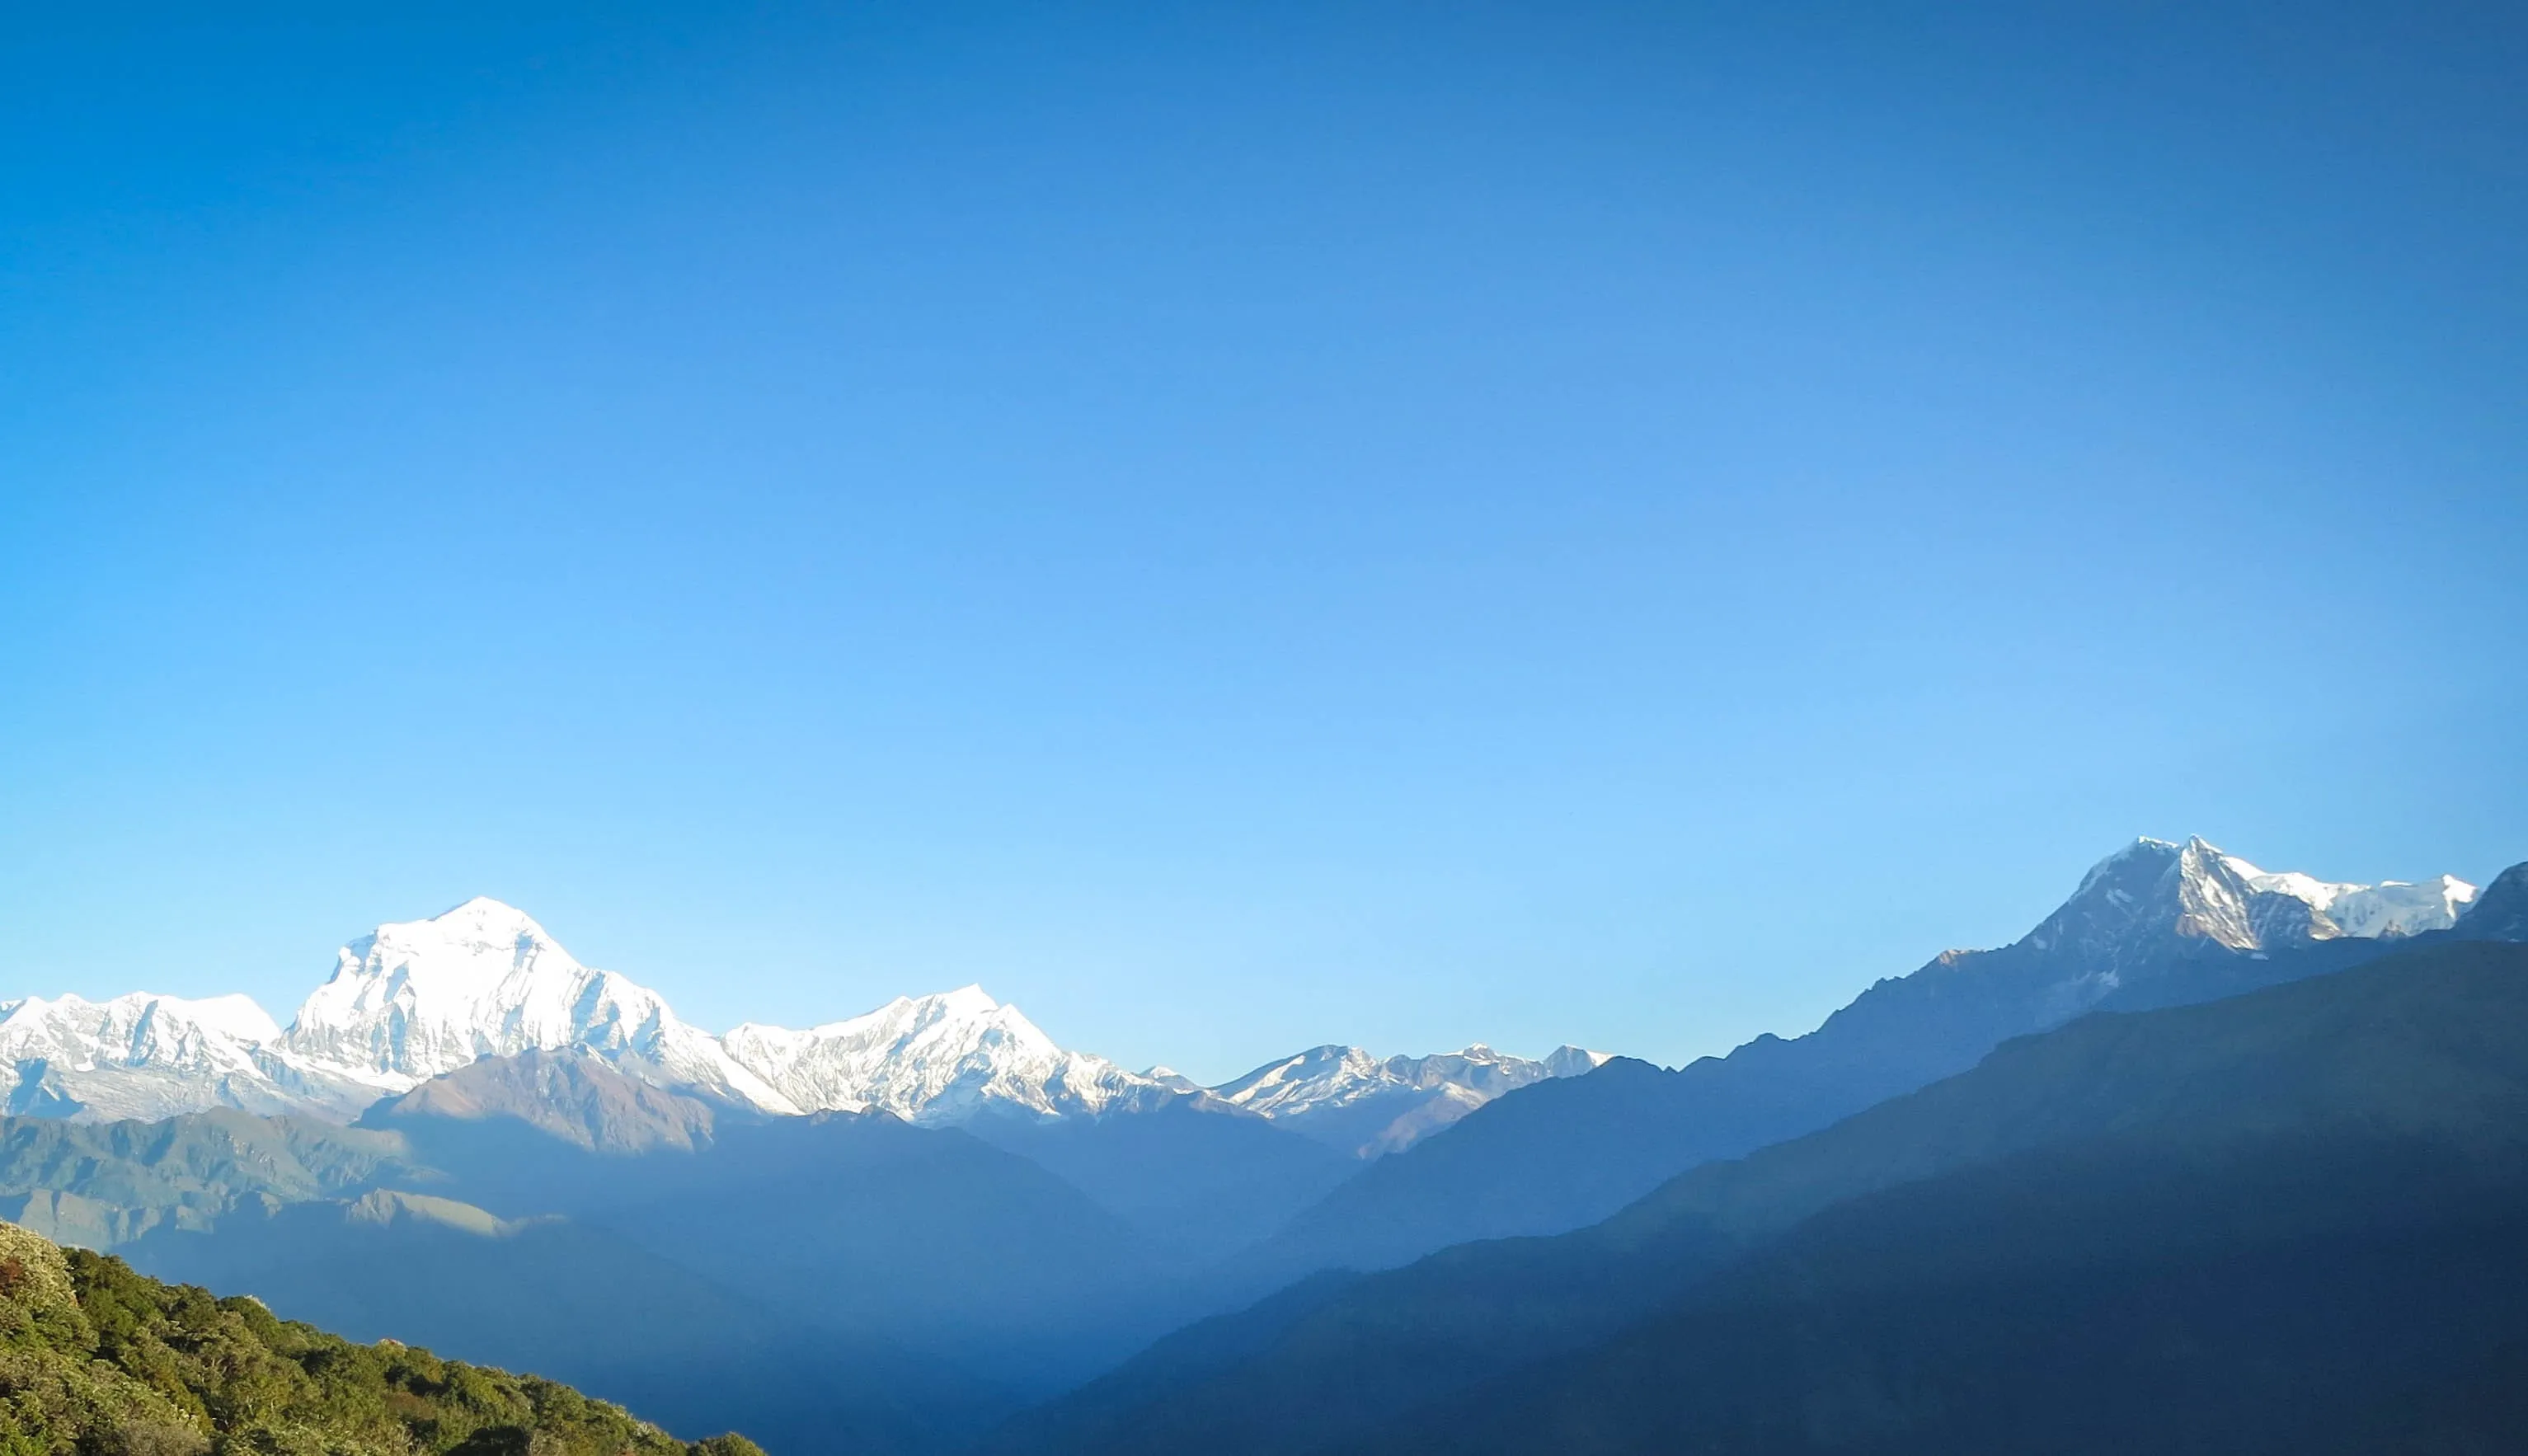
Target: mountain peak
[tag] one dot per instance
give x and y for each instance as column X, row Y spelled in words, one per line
column 2196, row 891
column 419, row 997
column 485, row 907
column 2144, row 855
column 965, row 1001
column 414, row 999
column 1172, row 1080
column 1568, row 1061
column 940, row 1058
column 481, row 920
column 2212, row 897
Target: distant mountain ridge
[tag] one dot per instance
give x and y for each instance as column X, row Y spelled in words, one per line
column 416, row 999
column 937, row 1059
column 2156, row 924
column 1365, row 1105
column 571, row 1094
column 413, row 999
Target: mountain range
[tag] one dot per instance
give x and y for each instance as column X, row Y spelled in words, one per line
column 889, row 1233
column 414, row 1000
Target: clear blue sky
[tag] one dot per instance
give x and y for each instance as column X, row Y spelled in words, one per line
column 1241, row 526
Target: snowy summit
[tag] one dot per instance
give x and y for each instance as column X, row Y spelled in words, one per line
column 415, row 999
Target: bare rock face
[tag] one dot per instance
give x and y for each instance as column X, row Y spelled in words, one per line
column 569, row 1094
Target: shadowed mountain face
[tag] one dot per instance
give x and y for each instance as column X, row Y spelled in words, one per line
column 2501, row 913
column 102, row 1185
column 825, row 1284
column 1194, row 1177
column 2282, row 1161
column 570, row 1094
column 1038, row 1246
column 2344, row 1296
column 579, row 1303
column 2157, row 924
column 716, row 1269
column 450, row 1217
column 928, row 1238
column 1198, row 1179
column 924, row 1238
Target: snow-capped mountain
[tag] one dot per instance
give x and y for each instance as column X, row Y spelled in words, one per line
column 937, row 1059
column 2156, row 924
column 2390, row 907
column 1366, row 1106
column 146, row 1056
column 2153, row 888
column 418, row 998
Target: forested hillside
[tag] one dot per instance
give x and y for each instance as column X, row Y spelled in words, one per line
column 102, row 1361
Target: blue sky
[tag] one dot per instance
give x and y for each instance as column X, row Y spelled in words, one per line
column 1241, row 527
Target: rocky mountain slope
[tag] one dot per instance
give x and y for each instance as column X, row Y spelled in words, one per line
column 572, row 1095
